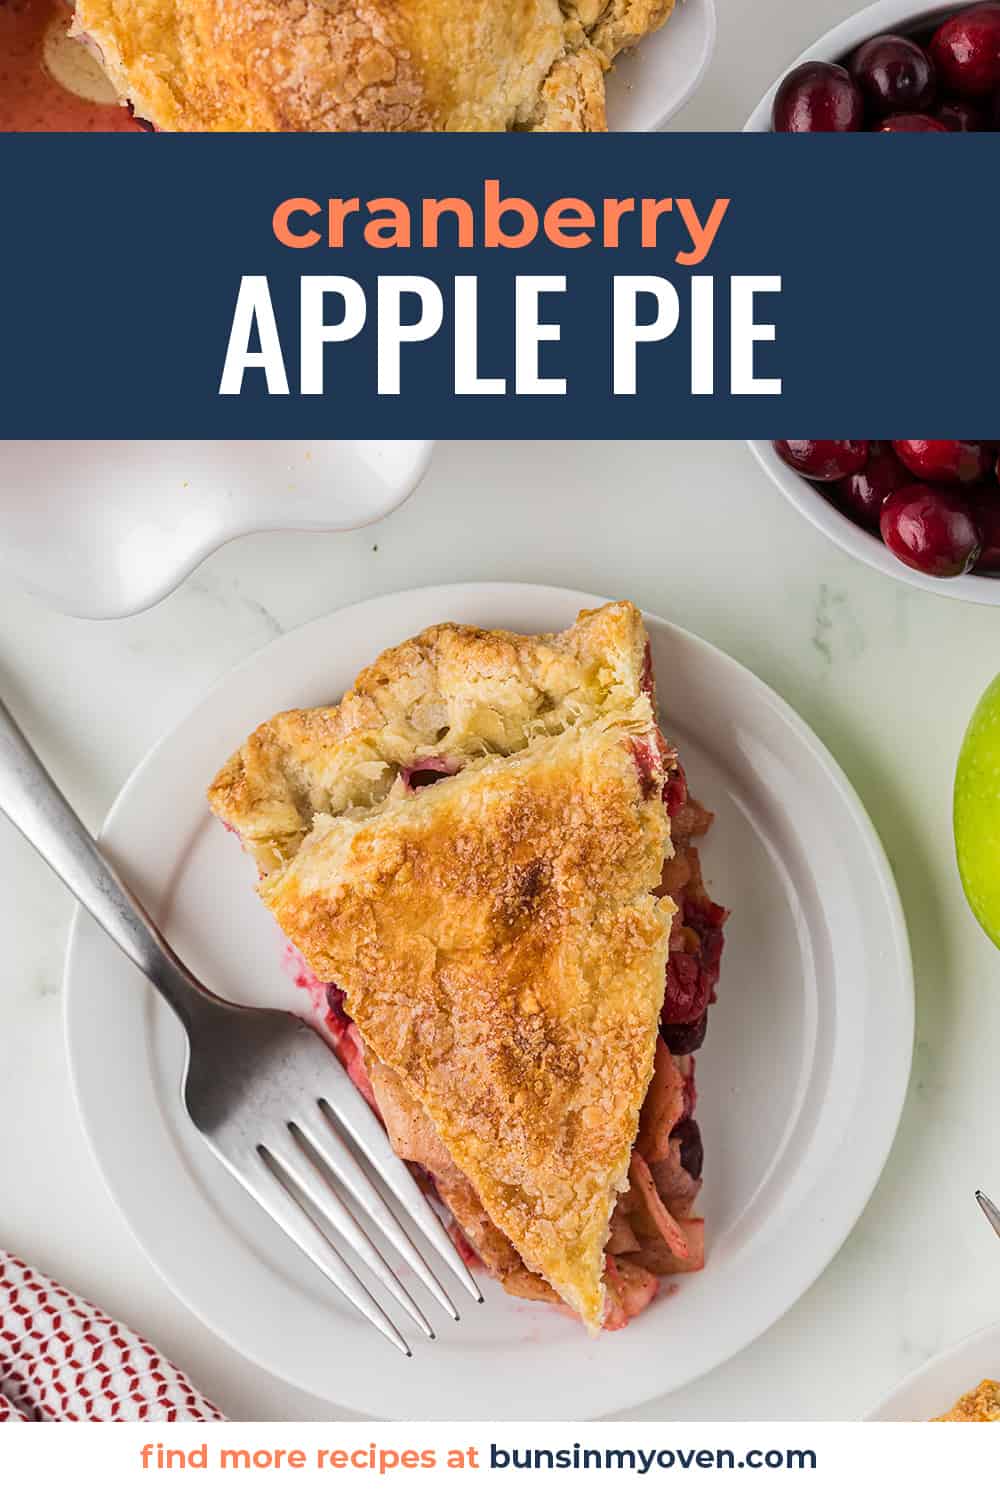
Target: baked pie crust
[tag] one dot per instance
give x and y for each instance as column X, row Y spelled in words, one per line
column 451, row 695
column 980, row 1405
column 375, row 65
column 495, row 935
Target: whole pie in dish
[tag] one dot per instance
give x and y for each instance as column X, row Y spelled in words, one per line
column 483, row 861
column 291, row 65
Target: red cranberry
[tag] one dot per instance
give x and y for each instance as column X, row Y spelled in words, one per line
column 896, row 124
column 894, row 74
column 863, row 494
column 932, row 530
column 961, row 115
column 986, row 508
column 966, row 51
column 944, row 461
column 823, row 459
column 692, row 1150
column 336, row 1014
column 684, row 1037
column 818, row 96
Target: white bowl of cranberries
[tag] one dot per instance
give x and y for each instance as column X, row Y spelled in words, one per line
column 894, row 68
column 926, row 511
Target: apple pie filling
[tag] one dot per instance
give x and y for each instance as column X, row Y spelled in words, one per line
column 655, row 1231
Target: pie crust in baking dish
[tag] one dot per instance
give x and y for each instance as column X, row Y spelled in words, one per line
column 379, row 65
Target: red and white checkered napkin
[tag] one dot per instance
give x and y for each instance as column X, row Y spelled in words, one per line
column 62, row 1360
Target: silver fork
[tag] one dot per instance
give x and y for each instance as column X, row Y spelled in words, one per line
column 266, row 1093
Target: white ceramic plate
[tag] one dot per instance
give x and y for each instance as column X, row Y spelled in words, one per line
column 651, row 82
column 937, row 1385
column 801, row 1082
column 103, row 529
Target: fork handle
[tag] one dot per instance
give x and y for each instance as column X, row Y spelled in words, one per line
column 37, row 808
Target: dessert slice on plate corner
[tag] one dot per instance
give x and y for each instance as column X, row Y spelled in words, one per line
column 473, row 860
column 979, row 1405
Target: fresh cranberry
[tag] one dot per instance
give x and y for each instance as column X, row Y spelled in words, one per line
column 863, row 494
column 932, row 530
column 824, row 460
column 966, row 51
column 912, row 124
column 962, row 115
column 944, row 461
column 986, row 508
column 692, row 1150
column 684, row 1037
column 894, row 74
column 818, row 96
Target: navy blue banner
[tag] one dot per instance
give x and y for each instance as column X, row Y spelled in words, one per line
column 724, row 286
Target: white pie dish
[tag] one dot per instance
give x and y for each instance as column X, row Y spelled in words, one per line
column 105, row 529
column 815, row 1015
column 653, row 80
column 974, row 588
column 934, row 1388
column 835, row 44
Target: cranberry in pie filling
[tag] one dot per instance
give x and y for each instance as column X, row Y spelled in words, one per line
column 562, row 819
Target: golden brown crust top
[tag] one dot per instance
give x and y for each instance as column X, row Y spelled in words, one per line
column 495, row 932
column 383, row 65
column 980, row 1405
column 501, row 952
column 453, row 692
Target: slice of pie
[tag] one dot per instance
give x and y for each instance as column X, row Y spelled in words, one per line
column 372, row 65
column 471, row 853
column 980, row 1405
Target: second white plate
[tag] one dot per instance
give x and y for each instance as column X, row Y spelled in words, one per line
column 801, row 1081
column 935, row 1387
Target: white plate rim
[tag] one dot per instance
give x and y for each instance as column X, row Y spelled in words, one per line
column 895, row 1078
column 969, row 1371
column 689, row 14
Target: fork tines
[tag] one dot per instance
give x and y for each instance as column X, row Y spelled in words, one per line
column 311, row 1183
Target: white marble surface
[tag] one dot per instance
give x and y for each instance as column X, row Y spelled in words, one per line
column 886, row 675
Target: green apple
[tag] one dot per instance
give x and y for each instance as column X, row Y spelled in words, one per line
column 977, row 811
